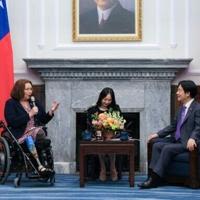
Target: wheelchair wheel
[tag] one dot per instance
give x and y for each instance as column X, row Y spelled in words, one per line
column 4, row 160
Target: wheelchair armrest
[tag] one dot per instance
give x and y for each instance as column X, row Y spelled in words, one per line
column 45, row 130
column 5, row 134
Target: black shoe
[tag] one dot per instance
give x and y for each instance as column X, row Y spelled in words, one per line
column 45, row 172
column 140, row 184
column 148, row 184
column 153, row 182
column 48, row 173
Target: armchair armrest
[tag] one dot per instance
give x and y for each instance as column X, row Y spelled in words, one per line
column 149, row 151
column 193, row 163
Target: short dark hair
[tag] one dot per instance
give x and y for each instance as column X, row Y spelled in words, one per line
column 104, row 93
column 17, row 91
column 189, row 86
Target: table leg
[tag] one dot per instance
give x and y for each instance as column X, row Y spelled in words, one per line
column 82, row 170
column 131, row 169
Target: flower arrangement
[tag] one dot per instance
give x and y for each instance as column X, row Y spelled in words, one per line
column 108, row 121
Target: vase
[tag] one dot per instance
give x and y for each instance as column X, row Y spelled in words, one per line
column 108, row 135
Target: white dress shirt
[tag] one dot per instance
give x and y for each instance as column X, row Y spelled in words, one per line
column 104, row 14
column 187, row 105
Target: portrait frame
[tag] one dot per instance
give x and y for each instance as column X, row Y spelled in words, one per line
column 80, row 36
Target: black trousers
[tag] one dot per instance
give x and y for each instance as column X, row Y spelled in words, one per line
column 162, row 154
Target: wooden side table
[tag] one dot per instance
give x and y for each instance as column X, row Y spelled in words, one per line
column 107, row 147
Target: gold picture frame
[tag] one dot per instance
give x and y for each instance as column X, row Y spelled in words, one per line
column 126, row 25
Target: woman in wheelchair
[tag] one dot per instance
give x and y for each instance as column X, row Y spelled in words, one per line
column 25, row 118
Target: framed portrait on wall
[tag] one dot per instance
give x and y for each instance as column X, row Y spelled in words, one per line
column 107, row 20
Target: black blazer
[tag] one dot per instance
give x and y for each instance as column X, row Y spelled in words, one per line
column 17, row 118
column 95, row 109
column 190, row 127
column 120, row 21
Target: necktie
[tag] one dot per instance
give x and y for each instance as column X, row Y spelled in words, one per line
column 180, row 121
column 102, row 22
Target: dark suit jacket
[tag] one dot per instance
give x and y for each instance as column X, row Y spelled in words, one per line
column 120, row 21
column 190, row 127
column 17, row 118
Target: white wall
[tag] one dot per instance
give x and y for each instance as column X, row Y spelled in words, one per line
column 43, row 29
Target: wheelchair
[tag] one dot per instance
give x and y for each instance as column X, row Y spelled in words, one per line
column 15, row 158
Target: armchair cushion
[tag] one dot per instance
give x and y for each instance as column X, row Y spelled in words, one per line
column 183, row 157
column 178, row 169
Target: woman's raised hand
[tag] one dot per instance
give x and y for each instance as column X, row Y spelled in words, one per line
column 54, row 107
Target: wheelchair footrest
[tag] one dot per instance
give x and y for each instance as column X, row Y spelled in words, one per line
column 33, row 176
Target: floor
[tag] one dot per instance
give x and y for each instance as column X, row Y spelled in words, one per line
column 67, row 187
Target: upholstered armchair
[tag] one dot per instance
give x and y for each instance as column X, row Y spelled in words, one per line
column 184, row 169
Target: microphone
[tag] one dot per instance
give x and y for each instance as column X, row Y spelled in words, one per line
column 33, row 100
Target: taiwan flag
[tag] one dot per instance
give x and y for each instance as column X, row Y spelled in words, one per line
column 6, row 58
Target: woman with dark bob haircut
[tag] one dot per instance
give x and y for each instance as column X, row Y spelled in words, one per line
column 25, row 117
column 105, row 101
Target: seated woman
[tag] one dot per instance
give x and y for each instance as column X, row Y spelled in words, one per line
column 26, row 118
column 105, row 101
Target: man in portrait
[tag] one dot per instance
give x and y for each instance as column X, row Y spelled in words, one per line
column 109, row 17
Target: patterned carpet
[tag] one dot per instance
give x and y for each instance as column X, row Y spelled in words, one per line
column 67, row 187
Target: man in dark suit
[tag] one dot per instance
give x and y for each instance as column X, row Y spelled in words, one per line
column 108, row 18
column 184, row 133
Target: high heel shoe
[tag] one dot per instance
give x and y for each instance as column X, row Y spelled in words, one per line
column 102, row 176
column 114, row 176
